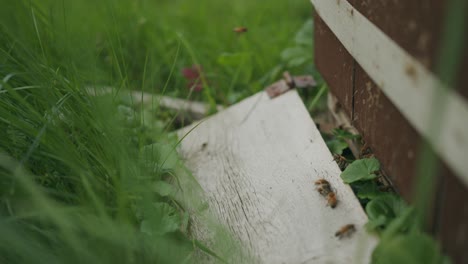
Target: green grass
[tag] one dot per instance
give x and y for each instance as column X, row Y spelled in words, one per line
column 115, row 44
column 96, row 179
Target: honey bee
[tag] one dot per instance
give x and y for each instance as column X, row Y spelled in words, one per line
column 240, row 30
column 321, row 182
column 321, row 190
column 365, row 152
column 345, row 231
column 341, row 161
column 325, row 189
column 331, row 200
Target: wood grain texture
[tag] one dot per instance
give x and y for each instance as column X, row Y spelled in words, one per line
column 257, row 162
column 416, row 26
column 334, row 63
column 404, row 80
column 390, row 136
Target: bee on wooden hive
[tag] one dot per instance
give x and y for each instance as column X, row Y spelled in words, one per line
column 323, row 187
column 321, row 182
column 323, row 190
column 240, row 30
column 345, row 231
column 331, row 200
column 365, row 152
column 341, row 161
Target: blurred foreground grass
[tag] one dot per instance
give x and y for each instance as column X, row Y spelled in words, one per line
column 96, row 179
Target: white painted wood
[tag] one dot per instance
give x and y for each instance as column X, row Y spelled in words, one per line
column 257, row 162
column 405, row 81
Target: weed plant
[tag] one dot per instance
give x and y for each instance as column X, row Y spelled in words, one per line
column 94, row 179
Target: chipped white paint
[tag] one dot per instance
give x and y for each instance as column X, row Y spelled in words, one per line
column 406, row 82
column 257, row 162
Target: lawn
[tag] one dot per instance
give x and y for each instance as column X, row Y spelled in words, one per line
column 96, row 179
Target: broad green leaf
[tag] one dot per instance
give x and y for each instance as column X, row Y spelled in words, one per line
column 336, row 146
column 377, row 223
column 383, row 210
column 411, row 248
column 367, row 189
column 363, row 169
column 404, row 223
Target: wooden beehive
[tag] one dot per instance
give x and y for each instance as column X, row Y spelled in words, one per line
column 379, row 59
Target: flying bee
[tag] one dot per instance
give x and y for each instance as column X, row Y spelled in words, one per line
column 331, row 200
column 345, row 231
column 240, row 30
column 341, row 161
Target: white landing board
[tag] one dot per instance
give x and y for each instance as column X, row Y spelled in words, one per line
column 257, row 161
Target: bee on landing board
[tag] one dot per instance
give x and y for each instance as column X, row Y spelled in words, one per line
column 321, row 181
column 345, row 231
column 341, row 161
column 331, row 200
column 325, row 189
column 240, row 30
